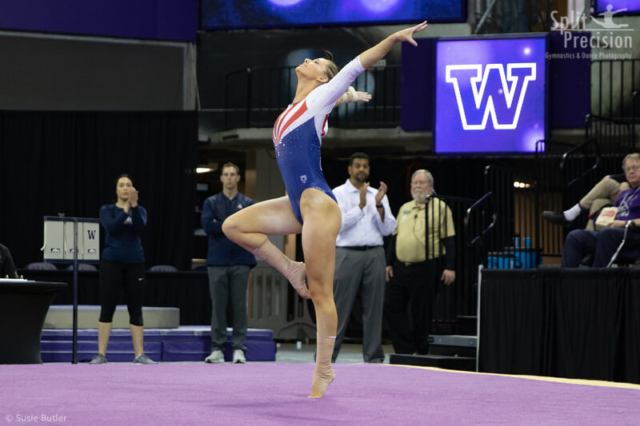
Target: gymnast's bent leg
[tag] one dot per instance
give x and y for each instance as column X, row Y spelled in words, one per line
column 322, row 220
column 249, row 229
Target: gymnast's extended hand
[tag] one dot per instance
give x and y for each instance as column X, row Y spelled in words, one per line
column 377, row 52
column 407, row 34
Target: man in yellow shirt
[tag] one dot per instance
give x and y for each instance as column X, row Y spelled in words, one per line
column 415, row 259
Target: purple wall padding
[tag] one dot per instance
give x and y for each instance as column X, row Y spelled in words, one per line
column 149, row 19
column 165, row 345
column 417, row 104
column 117, row 351
column 570, row 82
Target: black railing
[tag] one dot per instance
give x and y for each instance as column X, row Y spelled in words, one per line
column 635, row 120
column 614, row 105
column 564, row 179
column 479, row 220
column 550, row 191
column 582, row 168
column 579, row 166
column 614, row 135
column 616, row 81
column 515, row 239
column 458, row 299
column 255, row 97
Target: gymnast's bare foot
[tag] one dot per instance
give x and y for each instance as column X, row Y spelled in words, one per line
column 321, row 382
column 296, row 276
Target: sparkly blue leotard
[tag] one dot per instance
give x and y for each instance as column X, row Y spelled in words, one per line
column 298, row 132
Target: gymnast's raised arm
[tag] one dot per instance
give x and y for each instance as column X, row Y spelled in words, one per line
column 379, row 51
column 328, row 94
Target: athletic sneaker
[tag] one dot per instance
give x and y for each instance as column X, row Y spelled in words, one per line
column 238, row 357
column 143, row 359
column 98, row 359
column 216, row 357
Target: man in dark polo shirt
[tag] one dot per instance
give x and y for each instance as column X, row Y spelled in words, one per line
column 228, row 266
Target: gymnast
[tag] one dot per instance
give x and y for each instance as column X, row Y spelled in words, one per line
column 310, row 207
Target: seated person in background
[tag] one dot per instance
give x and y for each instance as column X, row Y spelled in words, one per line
column 604, row 243
column 7, row 267
column 604, row 192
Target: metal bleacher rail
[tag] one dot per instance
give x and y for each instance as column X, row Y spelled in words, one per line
column 565, row 172
column 515, row 238
column 614, row 104
column 479, row 220
column 615, row 84
column 459, row 299
column 615, row 134
column 254, row 97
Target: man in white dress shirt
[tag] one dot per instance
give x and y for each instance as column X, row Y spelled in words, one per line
column 360, row 256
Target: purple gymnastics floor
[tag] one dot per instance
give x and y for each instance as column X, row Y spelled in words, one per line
column 276, row 394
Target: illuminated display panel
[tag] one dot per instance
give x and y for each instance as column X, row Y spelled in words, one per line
column 490, row 95
column 225, row 14
column 617, row 6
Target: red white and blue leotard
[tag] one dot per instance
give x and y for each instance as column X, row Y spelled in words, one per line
column 297, row 136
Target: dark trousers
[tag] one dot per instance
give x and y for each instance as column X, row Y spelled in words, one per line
column 130, row 276
column 228, row 284
column 413, row 287
column 360, row 272
column 602, row 244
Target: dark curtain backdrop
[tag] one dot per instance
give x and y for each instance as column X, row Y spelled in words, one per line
column 579, row 324
column 68, row 162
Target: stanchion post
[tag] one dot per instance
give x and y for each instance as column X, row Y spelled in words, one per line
column 75, row 291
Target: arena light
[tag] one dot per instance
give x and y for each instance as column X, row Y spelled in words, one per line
column 521, row 185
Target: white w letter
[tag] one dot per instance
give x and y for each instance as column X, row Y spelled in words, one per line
column 475, row 112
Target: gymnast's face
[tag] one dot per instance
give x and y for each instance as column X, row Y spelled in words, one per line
column 359, row 170
column 230, row 178
column 313, row 69
column 123, row 187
